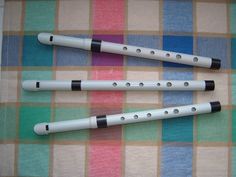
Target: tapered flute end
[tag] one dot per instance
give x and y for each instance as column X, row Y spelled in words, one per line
column 45, row 38
column 30, row 85
column 215, row 63
column 215, row 106
column 41, row 128
column 209, row 85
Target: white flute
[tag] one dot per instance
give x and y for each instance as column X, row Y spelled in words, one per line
column 103, row 46
column 78, row 85
column 104, row 121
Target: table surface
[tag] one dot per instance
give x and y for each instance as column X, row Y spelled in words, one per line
column 192, row 146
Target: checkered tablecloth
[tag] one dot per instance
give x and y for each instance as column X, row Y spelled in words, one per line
column 182, row 147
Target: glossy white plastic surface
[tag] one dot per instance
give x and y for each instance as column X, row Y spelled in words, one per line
column 155, row 54
column 126, row 118
column 178, row 85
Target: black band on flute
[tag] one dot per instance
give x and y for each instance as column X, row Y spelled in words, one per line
column 102, row 121
column 215, row 63
column 215, row 106
column 96, row 45
column 76, row 85
column 209, row 85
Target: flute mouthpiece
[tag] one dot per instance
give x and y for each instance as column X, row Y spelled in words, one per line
column 41, row 128
column 45, row 38
column 30, row 85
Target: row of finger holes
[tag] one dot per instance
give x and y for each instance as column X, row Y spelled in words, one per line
column 175, row 111
column 128, row 84
column 153, row 52
column 178, row 56
column 168, row 84
column 137, row 50
column 136, row 116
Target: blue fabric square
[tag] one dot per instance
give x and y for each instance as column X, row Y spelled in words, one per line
column 233, row 53
column 177, row 129
column 10, row 50
column 33, row 160
column 176, row 161
column 182, row 44
column 215, row 47
column 172, row 98
column 67, row 56
column 36, row 54
column 148, row 41
column 177, row 16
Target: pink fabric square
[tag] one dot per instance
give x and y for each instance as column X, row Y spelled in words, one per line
column 107, row 73
column 104, row 159
column 108, row 15
column 107, row 97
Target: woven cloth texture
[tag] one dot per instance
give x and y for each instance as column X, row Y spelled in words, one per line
column 203, row 146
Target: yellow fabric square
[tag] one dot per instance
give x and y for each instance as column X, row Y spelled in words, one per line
column 211, row 17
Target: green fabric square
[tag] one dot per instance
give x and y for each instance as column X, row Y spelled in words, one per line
column 33, row 160
column 233, row 88
column 27, row 96
column 234, row 125
column 40, row 15
column 233, row 17
column 178, row 129
column 213, row 127
column 36, row 54
column 7, row 122
column 29, row 116
column 143, row 131
column 62, row 114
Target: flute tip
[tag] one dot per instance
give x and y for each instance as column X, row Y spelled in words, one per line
column 215, row 106
column 45, row 38
column 41, row 128
column 215, row 63
column 209, row 85
column 30, row 85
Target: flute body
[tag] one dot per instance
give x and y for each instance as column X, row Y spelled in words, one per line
column 104, row 121
column 129, row 50
column 78, row 85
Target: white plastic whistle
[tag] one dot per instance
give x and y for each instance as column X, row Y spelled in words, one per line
column 129, row 50
column 104, row 121
column 79, row 85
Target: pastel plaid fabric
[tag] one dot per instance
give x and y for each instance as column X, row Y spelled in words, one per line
column 201, row 146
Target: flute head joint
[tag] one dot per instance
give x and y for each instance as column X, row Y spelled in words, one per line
column 45, row 38
column 31, row 85
column 41, row 128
